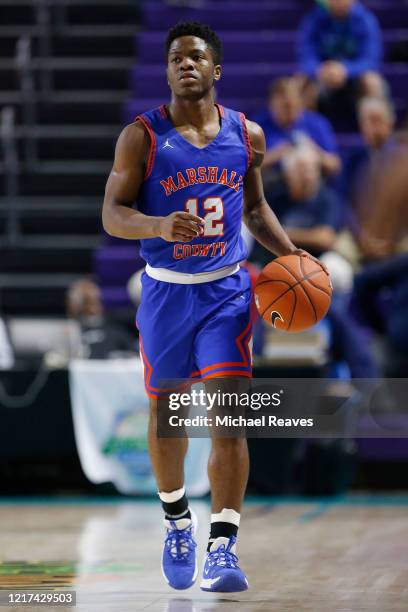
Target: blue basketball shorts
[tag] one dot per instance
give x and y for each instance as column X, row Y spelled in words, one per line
column 194, row 331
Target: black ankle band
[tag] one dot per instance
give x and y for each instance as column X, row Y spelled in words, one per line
column 219, row 529
column 176, row 509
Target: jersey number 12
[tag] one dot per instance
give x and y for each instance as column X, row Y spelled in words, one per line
column 214, row 212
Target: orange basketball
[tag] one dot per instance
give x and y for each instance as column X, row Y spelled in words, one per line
column 293, row 293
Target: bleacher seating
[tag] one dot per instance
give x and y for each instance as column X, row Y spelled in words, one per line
column 80, row 64
column 259, row 41
column 101, row 70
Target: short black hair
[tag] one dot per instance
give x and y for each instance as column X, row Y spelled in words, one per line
column 194, row 28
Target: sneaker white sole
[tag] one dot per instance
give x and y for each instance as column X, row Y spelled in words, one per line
column 220, row 585
column 212, row 584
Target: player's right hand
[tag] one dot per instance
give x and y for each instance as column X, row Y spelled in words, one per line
column 181, row 227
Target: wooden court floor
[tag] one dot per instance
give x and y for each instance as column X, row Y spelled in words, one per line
column 345, row 555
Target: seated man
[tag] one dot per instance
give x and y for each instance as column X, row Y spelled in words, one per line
column 376, row 120
column 287, row 125
column 301, row 152
column 376, row 117
column 366, row 164
column 380, row 295
column 384, row 231
column 340, row 45
column 306, row 207
column 102, row 338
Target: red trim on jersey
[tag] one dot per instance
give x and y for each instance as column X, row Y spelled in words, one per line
column 246, row 138
column 153, row 146
column 213, row 370
column 231, row 373
column 148, row 371
column 221, row 109
column 246, row 359
column 163, row 111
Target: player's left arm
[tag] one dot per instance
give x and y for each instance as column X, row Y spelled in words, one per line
column 258, row 215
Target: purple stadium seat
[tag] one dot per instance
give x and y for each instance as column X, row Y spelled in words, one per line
column 116, row 297
column 245, row 80
column 268, row 45
column 114, row 265
column 256, row 15
column 251, row 16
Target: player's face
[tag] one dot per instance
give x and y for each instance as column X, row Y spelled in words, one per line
column 339, row 8
column 190, row 67
column 376, row 126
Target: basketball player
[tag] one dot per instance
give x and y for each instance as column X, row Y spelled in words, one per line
column 193, row 168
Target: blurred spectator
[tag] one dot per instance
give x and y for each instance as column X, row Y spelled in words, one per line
column 288, row 125
column 305, row 205
column 381, row 288
column 101, row 337
column 385, row 230
column 376, row 119
column 381, row 300
column 300, row 159
column 301, row 151
column 340, row 48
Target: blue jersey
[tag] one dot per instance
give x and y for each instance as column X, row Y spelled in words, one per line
column 207, row 182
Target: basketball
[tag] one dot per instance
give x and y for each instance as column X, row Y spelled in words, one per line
column 293, row 293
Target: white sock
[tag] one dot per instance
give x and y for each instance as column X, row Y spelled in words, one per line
column 172, row 496
column 175, row 507
column 227, row 515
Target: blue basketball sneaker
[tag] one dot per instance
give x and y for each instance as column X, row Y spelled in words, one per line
column 222, row 573
column 179, row 562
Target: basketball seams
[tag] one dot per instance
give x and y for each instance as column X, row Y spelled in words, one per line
column 310, row 300
column 276, row 299
column 274, row 280
column 293, row 311
column 328, row 293
column 302, row 283
column 302, row 272
column 279, row 263
column 298, row 282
